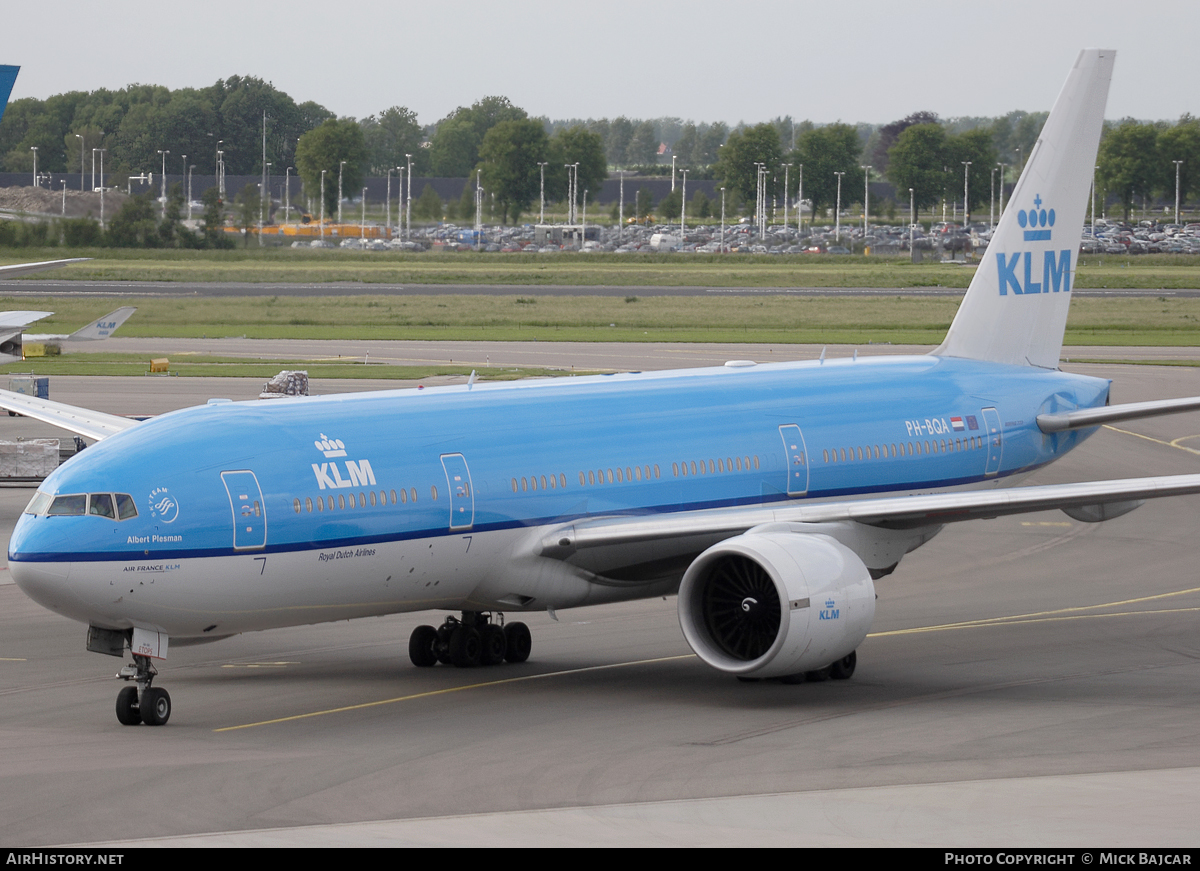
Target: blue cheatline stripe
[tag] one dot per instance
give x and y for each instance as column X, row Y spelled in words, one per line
column 526, row 523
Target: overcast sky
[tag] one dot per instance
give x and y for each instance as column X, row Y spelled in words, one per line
column 704, row 60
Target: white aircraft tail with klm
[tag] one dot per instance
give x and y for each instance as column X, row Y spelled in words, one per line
column 1015, row 310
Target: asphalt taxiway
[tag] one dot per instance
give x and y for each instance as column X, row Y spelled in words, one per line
column 1028, row 681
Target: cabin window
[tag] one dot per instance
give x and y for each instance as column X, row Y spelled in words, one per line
column 675, row 469
column 308, row 504
column 637, row 472
column 433, row 493
column 756, row 461
column 320, row 504
column 591, row 477
column 342, row 501
column 562, row 481
column 656, row 470
column 295, row 505
column 620, row 477
column 693, row 467
column 582, row 480
column 372, row 498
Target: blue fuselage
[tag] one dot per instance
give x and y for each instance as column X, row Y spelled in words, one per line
column 345, row 472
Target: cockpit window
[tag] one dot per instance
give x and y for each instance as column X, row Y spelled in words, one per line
column 114, row 506
column 72, row 505
column 39, row 503
column 125, row 507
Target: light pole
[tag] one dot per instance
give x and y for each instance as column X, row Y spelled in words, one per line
column 322, row 206
column 966, row 192
column 570, row 195
column 672, row 173
column 217, row 170
column 621, row 210
column 800, row 203
column 362, row 229
column 341, row 166
column 683, row 210
column 722, row 220
column 786, row 167
column 837, row 212
column 102, row 150
column 34, row 149
column 191, row 168
column 992, row 202
column 94, row 150
column 912, row 223
column 542, row 208
column 64, row 187
column 1000, row 211
column 408, row 218
column 1176, row 186
column 80, row 138
column 264, row 207
column 866, row 200
column 387, row 221
column 162, row 182
column 287, row 195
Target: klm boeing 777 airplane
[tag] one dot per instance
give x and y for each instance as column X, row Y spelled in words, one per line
column 769, row 498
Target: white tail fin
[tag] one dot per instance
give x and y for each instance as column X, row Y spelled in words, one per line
column 1015, row 310
column 104, row 327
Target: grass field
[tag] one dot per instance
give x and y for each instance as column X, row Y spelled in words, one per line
column 316, row 266
column 528, row 317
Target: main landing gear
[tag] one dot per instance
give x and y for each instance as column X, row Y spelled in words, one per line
column 142, row 703
column 473, row 640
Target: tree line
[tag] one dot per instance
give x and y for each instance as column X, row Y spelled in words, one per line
column 141, row 128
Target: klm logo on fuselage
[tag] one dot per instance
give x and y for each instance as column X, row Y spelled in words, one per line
column 329, row 475
column 829, row 612
column 1055, row 272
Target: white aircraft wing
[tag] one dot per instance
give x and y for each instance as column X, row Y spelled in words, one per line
column 17, row 320
column 1092, row 501
column 17, row 269
column 92, row 424
column 1089, row 417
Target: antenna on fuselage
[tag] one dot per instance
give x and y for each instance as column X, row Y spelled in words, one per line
column 471, row 380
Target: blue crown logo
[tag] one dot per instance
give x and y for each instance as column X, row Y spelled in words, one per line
column 1036, row 218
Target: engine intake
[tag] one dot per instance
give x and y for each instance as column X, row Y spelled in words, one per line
column 776, row 604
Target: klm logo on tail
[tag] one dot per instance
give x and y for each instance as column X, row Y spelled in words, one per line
column 1056, row 267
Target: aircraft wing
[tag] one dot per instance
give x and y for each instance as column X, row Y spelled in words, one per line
column 1089, row 417
column 92, row 424
column 16, row 320
column 17, row 269
column 1086, row 501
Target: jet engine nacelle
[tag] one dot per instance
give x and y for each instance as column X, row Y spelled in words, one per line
column 776, row 604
